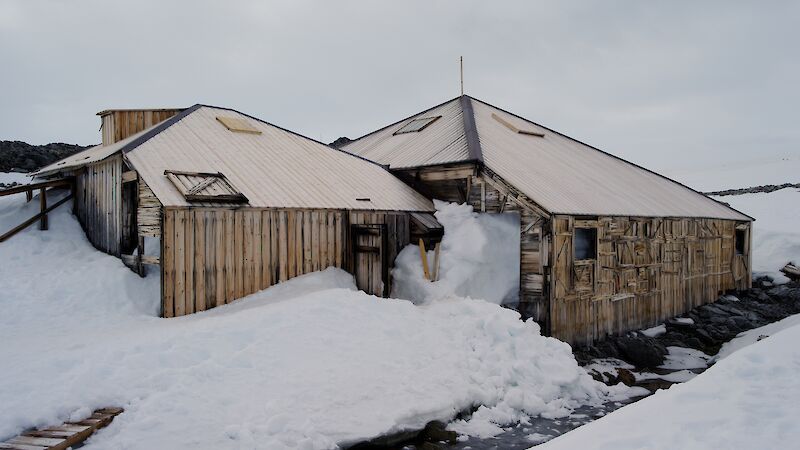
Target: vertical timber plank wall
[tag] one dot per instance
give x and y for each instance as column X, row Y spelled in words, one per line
column 98, row 203
column 214, row 256
column 119, row 124
column 647, row 270
column 368, row 265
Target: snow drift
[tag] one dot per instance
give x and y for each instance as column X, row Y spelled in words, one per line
column 310, row 363
column 479, row 258
column 747, row 400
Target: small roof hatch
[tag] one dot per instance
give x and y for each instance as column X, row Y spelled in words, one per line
column 513, row 127
column 205, row 187
column 416, row 125
column 237, row 124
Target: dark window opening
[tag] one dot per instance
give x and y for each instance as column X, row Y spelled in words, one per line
column 585, row 243
column 741, row 237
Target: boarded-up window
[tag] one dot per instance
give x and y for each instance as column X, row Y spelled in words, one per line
column 238, row 125
column 205, row 187
column 585, row 243
column 741, row 237
column 416, row 125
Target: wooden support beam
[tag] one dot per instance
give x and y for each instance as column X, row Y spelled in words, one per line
column 130, row 176
column 30, row 187
column 43, row 208
column 424, row 256
column 33, row 219
column 435, row 276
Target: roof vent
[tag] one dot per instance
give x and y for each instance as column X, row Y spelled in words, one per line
column 238, row 125
column 204, row 187
column 513, row 128
column 416, row 125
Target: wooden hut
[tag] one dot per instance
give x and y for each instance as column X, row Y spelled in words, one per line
column 237, row 204
column 606, row 246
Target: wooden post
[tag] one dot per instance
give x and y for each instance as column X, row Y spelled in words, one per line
column 424, row 257
column 43, row 207
column 435, row 276
column 139, row 254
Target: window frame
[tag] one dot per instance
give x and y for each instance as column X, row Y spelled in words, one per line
column 430, row 120
column 739, row 241
column 592, row 249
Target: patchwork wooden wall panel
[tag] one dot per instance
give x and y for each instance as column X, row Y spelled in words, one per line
column 646, row 270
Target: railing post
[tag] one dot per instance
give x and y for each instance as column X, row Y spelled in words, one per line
column 43, row 206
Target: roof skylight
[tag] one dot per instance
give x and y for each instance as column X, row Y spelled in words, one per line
column 416, row 125
column 238, row 125
column 513, row 127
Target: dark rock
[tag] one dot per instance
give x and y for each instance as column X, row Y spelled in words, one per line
column 430, row 446
column 626, row 377
column 435, row 432
column 641, row 351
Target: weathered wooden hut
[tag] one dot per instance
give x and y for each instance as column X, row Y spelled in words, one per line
column 237, row 204
column 606, row 246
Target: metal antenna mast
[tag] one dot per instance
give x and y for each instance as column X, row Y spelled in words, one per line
column 461, row 64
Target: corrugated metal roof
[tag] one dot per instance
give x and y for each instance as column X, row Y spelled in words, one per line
column 88, row 156
column 441, row 142
column 562, row 175
column 276, row 168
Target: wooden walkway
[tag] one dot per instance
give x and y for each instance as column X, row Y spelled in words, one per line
column 64, row 436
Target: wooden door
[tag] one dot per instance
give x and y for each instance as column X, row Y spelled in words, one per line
column 370, row 253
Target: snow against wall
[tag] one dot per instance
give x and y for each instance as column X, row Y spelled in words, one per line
column 310, row 363
column 479, row 258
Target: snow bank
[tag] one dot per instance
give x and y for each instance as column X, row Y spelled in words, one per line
column 14, row 177
column 745, row 401
column 331, row 366
column 750, row 337
column 776, row 237
column 479, row 258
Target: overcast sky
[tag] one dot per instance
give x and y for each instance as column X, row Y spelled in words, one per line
column 653, row 82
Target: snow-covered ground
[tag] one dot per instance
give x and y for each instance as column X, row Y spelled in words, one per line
column 750, row 337
column 748, row 400
column 310, row 363
column 14, row 177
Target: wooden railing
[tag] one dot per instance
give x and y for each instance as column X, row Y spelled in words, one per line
column 44, row 209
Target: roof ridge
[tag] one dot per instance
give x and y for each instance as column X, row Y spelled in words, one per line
column 402, row 120
column 159, row 128
column 471, row 130
column 298, row 135
column 612, row 155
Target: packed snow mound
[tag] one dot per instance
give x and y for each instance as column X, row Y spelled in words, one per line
column 479, row 258
column 748, row 400
column 310, row 363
